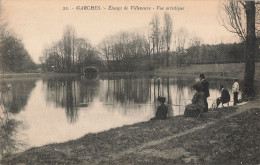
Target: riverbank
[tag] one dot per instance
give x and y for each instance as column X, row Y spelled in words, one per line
column 218, row 71
column 228, row 135
column 227, row 71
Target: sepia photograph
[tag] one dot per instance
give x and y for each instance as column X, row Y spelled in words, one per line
column 140, row 82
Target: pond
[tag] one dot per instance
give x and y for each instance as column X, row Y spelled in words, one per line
column 58, row 109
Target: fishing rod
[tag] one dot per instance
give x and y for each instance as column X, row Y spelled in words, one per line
column 179, row 105
column 155, row 104
column 207, row 99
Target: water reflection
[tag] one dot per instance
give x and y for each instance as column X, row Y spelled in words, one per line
column 14, row 96
column 125, row 91
column 74, row 93
column 57, row 109
column 16, row 99
column 70, row 93
column 7, row 125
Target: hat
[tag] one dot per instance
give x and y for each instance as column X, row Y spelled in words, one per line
column 202, row 76
column 161, row 99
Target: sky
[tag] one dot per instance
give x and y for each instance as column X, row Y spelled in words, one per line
column 40, row 23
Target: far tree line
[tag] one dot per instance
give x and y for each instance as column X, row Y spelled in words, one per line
column 133, row 51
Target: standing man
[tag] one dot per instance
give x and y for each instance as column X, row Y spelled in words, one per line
column 205, row 89
column 235, row 91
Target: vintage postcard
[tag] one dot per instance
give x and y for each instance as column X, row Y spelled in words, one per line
column 129, row 82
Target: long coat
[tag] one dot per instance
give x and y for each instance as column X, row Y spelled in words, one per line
column 197, row 105
column 205, row 87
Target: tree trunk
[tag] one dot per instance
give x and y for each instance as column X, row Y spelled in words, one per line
column 167, row 56
column 73, row 55
column 248, row 92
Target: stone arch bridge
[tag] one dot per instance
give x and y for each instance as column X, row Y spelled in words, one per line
column 89, row 69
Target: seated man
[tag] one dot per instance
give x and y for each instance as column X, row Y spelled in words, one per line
column 224, row 98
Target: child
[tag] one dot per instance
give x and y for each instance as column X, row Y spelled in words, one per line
column 235, row 90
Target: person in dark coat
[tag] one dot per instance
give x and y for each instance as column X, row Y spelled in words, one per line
column 224, row 98
column 197, row 107
column 162, row 110
column 205, row 89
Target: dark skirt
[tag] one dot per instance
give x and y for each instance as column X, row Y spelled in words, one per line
column 192, row 110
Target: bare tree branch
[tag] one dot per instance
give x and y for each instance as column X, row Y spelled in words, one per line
column 242, row 3
column 234, row 18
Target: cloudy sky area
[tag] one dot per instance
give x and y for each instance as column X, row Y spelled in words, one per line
column 39, row 23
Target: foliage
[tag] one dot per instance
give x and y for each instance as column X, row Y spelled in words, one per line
column 69, row 54
column 15, row 57
column 221, row 53
column 124, row 49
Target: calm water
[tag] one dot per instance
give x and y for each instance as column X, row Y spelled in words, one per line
column 59, row 109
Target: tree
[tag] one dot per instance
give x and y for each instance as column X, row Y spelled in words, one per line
column 2, row 35
column 167, row 34
column 180, row 39
column 69, row 54
column 251, row 50
column 240, row 18
column 15, row 57
column 69, row 48
column 195, row 41
column 155, row 32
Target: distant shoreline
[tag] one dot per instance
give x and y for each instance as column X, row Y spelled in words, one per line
column 220, row 71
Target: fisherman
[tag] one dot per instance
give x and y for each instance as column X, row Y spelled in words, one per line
column 205, row 89
column 224, row 98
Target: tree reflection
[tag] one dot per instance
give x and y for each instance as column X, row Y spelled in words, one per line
column 16, row 99
column 8, row 126
column 14, row 95
column 125, row 91
column 71, row 93
column 130, row 91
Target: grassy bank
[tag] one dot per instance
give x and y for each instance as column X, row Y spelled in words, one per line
column 230, row 70
column 227, row 71
column 229, row 135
